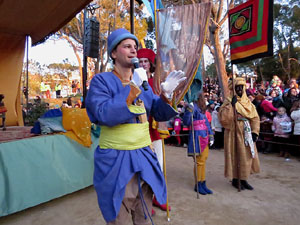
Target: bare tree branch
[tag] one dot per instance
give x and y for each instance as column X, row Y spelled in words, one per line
column 220, row 9
column 231, row 5
column 281, row 62
column 75, row 49
column 212, row 51
column 226, row 49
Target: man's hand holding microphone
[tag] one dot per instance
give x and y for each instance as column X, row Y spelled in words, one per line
column 139, row 77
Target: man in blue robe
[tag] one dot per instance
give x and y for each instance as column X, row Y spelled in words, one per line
column 127, row 172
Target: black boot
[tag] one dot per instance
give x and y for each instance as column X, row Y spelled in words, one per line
column 235, row 184
column 246, row 185
column 268, row 149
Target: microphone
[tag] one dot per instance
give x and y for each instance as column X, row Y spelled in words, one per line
column 136, row 64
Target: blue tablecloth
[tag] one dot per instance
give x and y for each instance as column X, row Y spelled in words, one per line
column 36, row 170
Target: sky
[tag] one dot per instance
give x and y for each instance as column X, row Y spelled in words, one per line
column 52, row 52
column 56, row 51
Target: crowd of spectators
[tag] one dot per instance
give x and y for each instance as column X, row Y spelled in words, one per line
column 277, row 103
column 70, row 104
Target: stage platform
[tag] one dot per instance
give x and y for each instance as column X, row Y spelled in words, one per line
column 14, row 133
column 37, row 169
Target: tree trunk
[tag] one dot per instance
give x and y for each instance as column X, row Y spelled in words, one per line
column 75, row 52
column 219, row 60
column 288, row 62
column 90, row 66
column 203, row 67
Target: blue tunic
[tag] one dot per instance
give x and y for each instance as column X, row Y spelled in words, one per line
column 106, row 105
column 187, row 120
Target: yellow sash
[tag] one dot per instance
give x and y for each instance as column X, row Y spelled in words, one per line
column 129, row 136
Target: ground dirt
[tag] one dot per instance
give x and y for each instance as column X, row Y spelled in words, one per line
column 275, row 199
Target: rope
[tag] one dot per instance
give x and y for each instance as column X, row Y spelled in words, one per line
column 144, row 205
column 259, row 140
column 274, row 142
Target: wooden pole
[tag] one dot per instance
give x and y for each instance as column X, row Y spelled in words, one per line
column 194, row 156
column 27, row 79
column 237, row 155
column 132, row 16
column 165, row 174
column 84, row 66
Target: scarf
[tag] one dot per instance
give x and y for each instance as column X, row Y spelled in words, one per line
column 248, row 137
column 243, row 106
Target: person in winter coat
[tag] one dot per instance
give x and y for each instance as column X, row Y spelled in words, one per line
column 268, row 108
column 289, row 99
column 274, row 85
column 276, row 99
column 257, row 103
column 177, row 129
column 295, row 115
column 217, row 129
column 281, row 127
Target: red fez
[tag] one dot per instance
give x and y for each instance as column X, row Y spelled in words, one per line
column 146, row 53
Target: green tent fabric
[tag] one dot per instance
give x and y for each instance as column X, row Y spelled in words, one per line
column 36, row 170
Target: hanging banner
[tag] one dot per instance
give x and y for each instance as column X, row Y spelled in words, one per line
column 180, row 37
column 195, row 87
column 150, row 5
column 251, row 30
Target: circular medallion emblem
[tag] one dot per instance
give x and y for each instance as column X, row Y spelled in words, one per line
column 240, row 22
